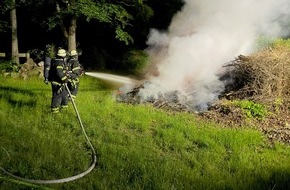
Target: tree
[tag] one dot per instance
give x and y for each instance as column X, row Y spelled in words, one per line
column 10, row 6
column 14, row 36
column 67, row 13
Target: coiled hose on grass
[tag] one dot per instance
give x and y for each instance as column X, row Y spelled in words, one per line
column 68, row 179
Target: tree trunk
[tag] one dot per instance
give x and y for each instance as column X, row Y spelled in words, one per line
column 13, row 18
column 70, row 34
column 72, row 45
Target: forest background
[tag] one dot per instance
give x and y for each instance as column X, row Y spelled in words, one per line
column 108, row 33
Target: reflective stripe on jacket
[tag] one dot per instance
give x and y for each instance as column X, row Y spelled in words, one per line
column 59, row 70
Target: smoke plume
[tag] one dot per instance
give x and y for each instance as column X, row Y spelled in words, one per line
column 202, row 36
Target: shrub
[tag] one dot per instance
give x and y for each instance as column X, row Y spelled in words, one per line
column 134, row 61
column 281, row 43
column 252, row 109
column 266, row 42
column 9, row 66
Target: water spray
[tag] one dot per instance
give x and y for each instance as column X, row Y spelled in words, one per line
column 68, row 179
column 112, row 78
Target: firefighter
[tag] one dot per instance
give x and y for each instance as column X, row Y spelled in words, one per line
column 49, row 54
column 59, row 77
column 74, row 73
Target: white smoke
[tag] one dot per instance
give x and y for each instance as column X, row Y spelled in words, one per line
column 202, row 37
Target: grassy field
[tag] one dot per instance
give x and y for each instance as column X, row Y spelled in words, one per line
column 138, row 146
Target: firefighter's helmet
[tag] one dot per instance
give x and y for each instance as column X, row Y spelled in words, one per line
column 73, row 53
column 61, row 53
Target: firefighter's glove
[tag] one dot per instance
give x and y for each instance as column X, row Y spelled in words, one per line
column 73, row 76
column 73, row 84
column 46, row 81
column 68, row 74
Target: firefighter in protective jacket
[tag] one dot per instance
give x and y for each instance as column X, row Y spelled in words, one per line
column 58, row 76
column 75, row 72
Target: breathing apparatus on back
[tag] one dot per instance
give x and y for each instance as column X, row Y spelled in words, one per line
column 48, row 61
column 48, row 56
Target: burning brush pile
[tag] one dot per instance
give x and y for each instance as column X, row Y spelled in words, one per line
column 170, row 101
column 262, row 78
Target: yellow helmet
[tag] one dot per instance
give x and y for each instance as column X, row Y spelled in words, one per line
column 73, row 52
column 61, row 53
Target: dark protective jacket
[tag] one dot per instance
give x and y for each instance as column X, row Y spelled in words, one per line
column 58, row 70
column 74, row 67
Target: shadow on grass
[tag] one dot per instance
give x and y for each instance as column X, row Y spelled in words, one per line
column 17, row 97
column 277, row 180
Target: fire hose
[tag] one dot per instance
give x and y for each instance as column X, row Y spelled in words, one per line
column 68, row 179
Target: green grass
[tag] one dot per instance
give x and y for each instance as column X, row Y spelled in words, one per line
column 138, row 146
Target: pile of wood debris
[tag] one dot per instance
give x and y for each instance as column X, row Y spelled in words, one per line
column 263, row 77
column 168, row 101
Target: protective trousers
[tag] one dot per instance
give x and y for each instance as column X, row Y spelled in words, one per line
column 59, row 97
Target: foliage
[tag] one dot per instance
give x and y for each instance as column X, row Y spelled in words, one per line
column 138, row 147
column 37, row 55
column 5, row 6
column 123, row 36
column 3, row 26
column 252, row 109
column 144, row 11
column 134, row 61
column 281, row 43
column 110, row 12
column 264, row 42
column 9, row 66
column 113, row 26
column 103, row 12
column 51, row 50
column 115, row 14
